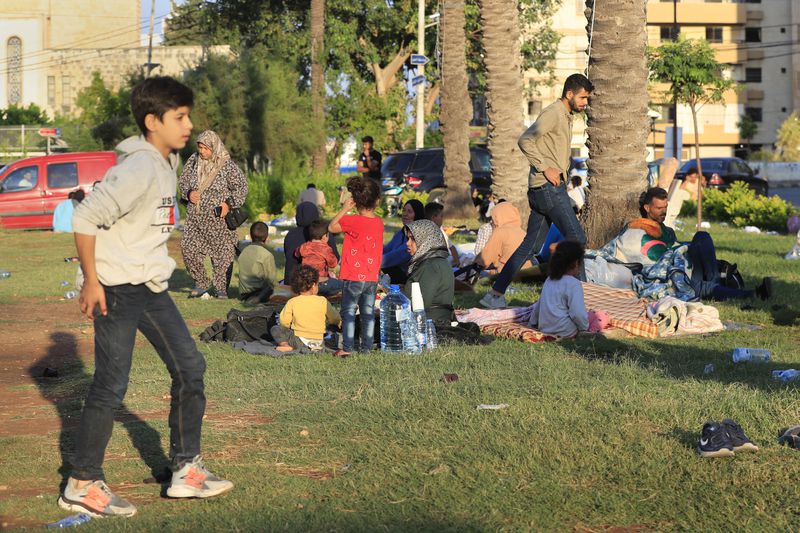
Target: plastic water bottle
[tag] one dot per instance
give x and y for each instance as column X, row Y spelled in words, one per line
column 418, row 311
column 5, row 274
column 398, row 332
column 69, row 295
column 70, row 521
column 752, row 355
column 430, row 334
column 785, row 375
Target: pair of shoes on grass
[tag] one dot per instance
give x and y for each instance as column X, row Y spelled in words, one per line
column 192, row 480
column 203, row 294
column 723, row 439
column 764, row 291
column 493, row 301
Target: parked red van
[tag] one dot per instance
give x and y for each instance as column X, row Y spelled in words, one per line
column 30, row 189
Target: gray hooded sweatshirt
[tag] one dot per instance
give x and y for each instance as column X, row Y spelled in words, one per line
column 131, row 214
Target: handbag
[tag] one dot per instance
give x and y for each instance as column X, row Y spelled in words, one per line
column 235, row 218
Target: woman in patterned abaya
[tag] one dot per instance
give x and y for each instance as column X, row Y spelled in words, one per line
column 210, row 180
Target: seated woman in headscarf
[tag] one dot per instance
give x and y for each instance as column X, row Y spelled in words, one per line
column 395, row 254
column 430, row 267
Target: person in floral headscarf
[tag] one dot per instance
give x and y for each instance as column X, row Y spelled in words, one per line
column 212, row 185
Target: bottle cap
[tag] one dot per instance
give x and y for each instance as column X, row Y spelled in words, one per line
column 417, row 303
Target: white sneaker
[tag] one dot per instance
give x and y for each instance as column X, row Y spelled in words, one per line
column 194, row 481
column 493, row 301
column 95, row 499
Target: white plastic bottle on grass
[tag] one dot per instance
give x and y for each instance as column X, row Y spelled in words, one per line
column 751, row 355
column 418, row 310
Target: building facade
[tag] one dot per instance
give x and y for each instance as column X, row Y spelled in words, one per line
column 49, row 50
column 758, row 42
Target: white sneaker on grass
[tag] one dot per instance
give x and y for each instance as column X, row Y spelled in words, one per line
column 95, row 499
column 493, row 301
column 194, row 481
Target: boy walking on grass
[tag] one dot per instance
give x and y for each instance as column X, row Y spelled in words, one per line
column 121, row 234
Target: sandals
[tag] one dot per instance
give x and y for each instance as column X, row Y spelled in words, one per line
column 197, row 292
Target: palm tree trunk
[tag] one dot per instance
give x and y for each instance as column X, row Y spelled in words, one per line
column 617, row 124
column 456, row 111
column 319, row 156
column 501, row 42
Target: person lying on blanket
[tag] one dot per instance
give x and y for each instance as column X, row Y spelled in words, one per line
column 693, row 274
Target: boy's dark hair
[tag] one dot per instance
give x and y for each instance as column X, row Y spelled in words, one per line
column 365, row 191
column 367, row 139
column 575, row 83
column 77, row 195
column 259, row 232
column 692, row 170
column 157, row 96
column 303, row 278
column 647, row 197
column 311, row 186
column 317, row 230
column 432, row 209
column 567, row 254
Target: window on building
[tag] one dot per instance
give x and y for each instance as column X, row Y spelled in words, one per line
column 783, row 70
column 667, row 113
column 752, row 35
column 534, row 108
column 51, row 92
column 755, row 113
column 752, row 1
column 669, row 32
column 752, row 75
column 14, row 70
column 714, row 34
column 783, row 30
column 783, row 110
column 66, row 94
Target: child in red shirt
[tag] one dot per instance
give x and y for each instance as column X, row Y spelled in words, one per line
column 361, row 261
column 318, row 254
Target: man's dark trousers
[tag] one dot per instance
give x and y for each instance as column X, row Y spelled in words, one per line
column 549, row 204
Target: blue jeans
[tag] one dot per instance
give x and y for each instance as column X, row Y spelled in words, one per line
column 549, row 204
column 359, row 294
column 132, row 308
column 330, row 287
column 705, row 271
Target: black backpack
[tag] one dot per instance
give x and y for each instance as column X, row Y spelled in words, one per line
column 729, row 275
column 250, row 325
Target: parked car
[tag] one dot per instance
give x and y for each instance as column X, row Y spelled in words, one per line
column 30, row 189
column 721, row 172
column 422, row 170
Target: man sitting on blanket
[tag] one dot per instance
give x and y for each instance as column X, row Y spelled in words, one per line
column 687, row 272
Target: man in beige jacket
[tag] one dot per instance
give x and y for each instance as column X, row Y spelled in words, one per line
column 547, row 145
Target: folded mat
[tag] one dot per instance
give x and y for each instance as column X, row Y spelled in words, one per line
column 518, row 332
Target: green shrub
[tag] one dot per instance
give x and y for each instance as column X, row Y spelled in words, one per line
column 740, row 206
column 277, row 193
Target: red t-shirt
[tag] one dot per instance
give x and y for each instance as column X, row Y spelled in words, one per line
column 317, row 255
column 362, row 248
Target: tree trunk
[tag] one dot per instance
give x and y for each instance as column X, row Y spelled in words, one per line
column 502, row 58
column 693, row 108
column 455, row 113
column 617, row 123
column 319, row 156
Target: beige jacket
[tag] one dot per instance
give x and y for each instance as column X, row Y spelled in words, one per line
column 506, row 238
column 547, row 143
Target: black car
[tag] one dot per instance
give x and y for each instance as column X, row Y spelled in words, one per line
column 422, row 170
column 720, row 172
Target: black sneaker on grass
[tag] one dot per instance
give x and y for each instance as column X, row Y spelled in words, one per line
column 738, row 439
column 714, row 441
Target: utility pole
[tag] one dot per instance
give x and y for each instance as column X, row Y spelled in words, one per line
column 150, row 45
column 675, row 103
column 421, row 72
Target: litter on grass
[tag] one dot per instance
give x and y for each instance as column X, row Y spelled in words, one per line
column 492, row 407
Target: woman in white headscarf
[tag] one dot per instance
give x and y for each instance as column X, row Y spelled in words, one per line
column 212, row 185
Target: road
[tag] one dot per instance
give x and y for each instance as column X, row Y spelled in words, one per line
column 790, row 194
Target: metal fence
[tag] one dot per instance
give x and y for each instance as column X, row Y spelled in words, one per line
column 17, row 142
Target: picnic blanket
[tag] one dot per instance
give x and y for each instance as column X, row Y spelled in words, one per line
column 627, row 311
column 519, row 332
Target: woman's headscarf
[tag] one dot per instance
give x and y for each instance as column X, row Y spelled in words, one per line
column 430, row 242
column 207, row 169
column 419, row 209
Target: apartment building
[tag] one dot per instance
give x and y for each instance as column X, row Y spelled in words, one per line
column 759, row 41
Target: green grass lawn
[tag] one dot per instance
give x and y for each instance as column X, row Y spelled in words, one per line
column 597, row 435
